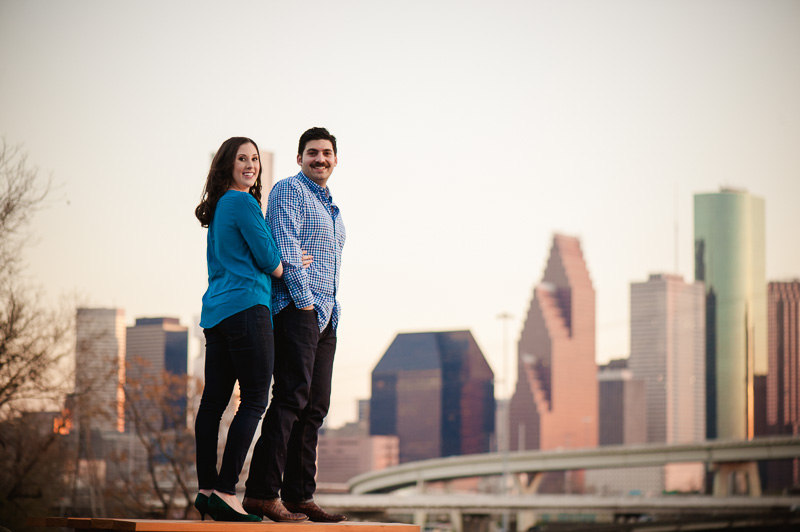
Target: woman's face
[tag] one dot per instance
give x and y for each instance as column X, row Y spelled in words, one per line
column 246, row 167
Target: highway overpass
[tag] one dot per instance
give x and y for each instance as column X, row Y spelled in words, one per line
column 717, row 454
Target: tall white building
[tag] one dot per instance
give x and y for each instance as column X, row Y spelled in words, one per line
column 100, row 369
column 668, row 354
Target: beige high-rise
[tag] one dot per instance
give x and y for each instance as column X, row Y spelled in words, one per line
column 100, row 369
column 668, row 354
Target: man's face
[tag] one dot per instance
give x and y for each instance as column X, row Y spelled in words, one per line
column 317, row 161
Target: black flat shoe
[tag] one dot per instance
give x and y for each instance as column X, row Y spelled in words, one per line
column 220, row 511
column 201, row 503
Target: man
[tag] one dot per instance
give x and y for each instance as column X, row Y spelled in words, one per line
column 303, row 218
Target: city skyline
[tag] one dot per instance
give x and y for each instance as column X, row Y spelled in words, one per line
column 460, row 127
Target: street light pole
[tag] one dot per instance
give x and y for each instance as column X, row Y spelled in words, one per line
column 505, row 316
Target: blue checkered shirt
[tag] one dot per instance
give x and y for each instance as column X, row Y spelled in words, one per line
column 302, row 216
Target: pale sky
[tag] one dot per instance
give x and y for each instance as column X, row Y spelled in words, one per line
column 469, row 132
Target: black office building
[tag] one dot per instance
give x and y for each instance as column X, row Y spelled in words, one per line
column 435, row 392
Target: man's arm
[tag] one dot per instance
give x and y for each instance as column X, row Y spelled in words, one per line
column 285, row 214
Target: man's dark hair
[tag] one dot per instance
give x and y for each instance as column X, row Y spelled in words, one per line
column 315, row 133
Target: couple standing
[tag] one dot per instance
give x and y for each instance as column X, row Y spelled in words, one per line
column 300, row 246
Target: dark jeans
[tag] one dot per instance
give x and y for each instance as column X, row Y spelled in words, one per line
column 239, row 348
column 284, row 458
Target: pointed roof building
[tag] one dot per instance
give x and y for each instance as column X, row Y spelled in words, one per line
column 555, row 401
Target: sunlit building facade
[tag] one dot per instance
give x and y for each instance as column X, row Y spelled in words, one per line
column 668, row 354
column 350, row 450
column 342, row 457
column 783, row 376
column 554, row 404
column 99, row 397
column 729, row 240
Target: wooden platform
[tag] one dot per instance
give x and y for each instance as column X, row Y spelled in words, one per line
column 167, row 525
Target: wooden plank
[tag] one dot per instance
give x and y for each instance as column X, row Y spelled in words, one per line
column 58, row 522
column 166, row 525
column 100, row 523
column 162, row 525
column 79, row 522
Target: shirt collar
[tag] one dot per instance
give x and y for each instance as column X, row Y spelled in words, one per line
column 314, row 187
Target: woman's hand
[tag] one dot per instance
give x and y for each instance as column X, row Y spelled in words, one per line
column 308, row 258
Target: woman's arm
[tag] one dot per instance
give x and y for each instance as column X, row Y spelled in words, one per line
column 307, row 260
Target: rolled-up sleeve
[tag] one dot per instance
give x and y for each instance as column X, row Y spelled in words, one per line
column 285, row 215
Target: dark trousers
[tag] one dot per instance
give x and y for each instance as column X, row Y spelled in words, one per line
column 239, row 348
column 284, row 458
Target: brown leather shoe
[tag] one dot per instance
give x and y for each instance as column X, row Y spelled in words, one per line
column 272, row 509
column 314, row 512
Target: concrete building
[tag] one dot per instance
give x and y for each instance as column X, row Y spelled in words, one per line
column 668, row 354
column 99, row 398
column 783, row 376
column 622, row 405
column 554, row 404
column 729, row 258
column 622, row 422
column 349, row 450
column 157, row 347
column 340, row 457
column 435, row 392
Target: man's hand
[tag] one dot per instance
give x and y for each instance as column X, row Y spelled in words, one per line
column 310, row 307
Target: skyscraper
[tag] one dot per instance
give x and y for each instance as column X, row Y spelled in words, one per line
column 622, row 422
column 555, row 401
column 157, row 347
column 435, row 392
column 783, row 377
column 100, row 369
column 668, row 354
column 621, row 405
column 350, row 450
column 729, row 259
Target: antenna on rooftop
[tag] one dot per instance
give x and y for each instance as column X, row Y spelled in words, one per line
column 675, row 206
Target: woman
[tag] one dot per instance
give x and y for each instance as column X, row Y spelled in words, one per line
column 236, row 321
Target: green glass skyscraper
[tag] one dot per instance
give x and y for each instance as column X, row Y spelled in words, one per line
column 729, row 259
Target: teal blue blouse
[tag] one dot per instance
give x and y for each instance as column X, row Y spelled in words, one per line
column 241, row 254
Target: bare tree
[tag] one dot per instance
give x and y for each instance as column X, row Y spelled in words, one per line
column 22, row 194
column 33, row 340
column 156, row 474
